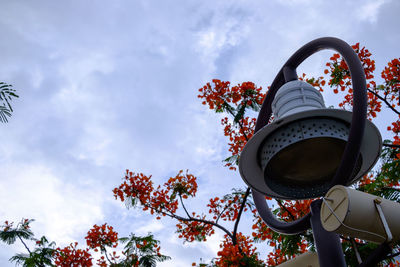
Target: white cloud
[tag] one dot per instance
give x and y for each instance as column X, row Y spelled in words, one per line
column 297, row 2
column 153, row 226
column 61, row 209
column 369, row 10
column 223, row 32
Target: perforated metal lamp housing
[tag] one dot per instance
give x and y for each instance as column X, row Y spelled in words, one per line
column 297, row 155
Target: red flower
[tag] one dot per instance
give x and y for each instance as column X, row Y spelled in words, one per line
column 101, row 237
column 72, row 257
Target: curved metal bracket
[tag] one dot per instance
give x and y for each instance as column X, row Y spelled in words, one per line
column 352, row 149
column 289, row 228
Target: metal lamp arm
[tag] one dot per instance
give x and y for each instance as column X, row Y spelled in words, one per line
column 290, row 228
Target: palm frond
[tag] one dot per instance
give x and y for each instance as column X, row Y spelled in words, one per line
column 142, row 249
column 390, row 193
column 11, row 235
column 7, row 93
column 19, row 258
column 4, row 113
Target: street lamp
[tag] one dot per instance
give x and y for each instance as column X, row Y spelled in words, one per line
column 308, row 148
column 297, row 155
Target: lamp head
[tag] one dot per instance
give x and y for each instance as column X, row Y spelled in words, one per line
column 297, row 155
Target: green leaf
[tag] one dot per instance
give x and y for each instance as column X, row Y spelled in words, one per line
column 146, row 255
column 240, row 113
column 232, row 159
column 10, row 236
column 390, row 193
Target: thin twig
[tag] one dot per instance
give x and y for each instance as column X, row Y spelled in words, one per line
column 187, row 213
column 222, row 212
column 392, row 255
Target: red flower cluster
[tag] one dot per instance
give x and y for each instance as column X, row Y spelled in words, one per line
column 72, row 257
column 278, row 256
column 194, row 230
column 162, row 201
column 113, row 258
column 297, row 209
column 341, row 79
column 367, row 179
column 234, row 100
column 315, row 82
column 216, row 205
column 134, row 186
column 395, row 128
column 261, row 231
column 183, row 184
column 7, row 226
column 238, row 135
column 241, row 254
column 101, row 237
column 391, row 74
column 221, row 94
column 227, row 209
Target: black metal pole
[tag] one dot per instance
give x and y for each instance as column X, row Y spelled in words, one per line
column 329, row 248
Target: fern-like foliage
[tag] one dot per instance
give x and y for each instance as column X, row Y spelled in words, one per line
column 41, row 255
column 390, row 193
column 9, row 233
column 7, row 93
column 142, row 250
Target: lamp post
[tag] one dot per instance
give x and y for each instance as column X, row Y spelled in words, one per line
column 308, row 148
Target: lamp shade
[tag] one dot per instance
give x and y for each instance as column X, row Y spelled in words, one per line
column 297, row 155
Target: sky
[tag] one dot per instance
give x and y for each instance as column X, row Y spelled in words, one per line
column 107, row 86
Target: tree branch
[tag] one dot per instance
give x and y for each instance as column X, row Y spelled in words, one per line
column 187, row 213
column 22, row 241
column 105, row 253
column 384, row 100
column 286, row 209
column 222, row 212
column 30, row 253
column 240, row 124
column 391, row 145
column 234, row 239
column 177, row 217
